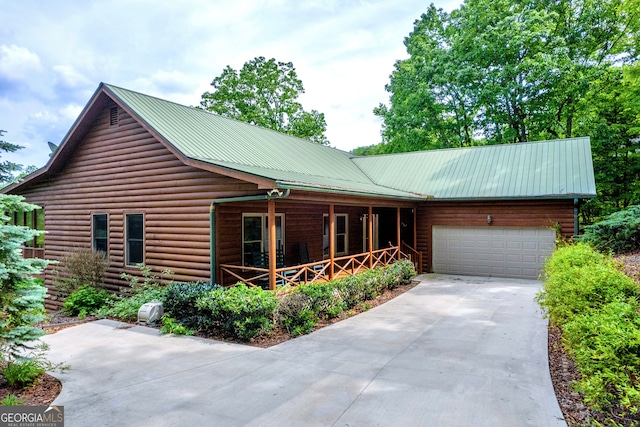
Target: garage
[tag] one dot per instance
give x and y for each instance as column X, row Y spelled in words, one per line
column 517, row 252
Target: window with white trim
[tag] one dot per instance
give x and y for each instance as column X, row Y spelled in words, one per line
column 100, row 232
column 255, row 235
column 134, row 238
column 342, row 234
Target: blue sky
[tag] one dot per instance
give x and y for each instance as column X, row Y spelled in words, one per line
column 54, row 54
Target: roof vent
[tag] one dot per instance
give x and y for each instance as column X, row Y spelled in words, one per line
column 113, row 116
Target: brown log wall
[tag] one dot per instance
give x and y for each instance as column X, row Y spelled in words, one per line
column 123, row 169
column 512, row 213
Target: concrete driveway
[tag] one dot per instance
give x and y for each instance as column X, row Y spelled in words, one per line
column 453, row 351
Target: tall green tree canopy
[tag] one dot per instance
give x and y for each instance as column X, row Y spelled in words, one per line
column 508, row 71
column 501, row 71
column 264, row 93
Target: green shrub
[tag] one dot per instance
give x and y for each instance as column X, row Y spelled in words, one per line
column 125, row 307
column 606, row 348
column 323, row 297
column 180, row 303
column 617, row 233
column 241, row 311
column 85, row 300
column 23, row 373
column 579, row 280
column 398, row 273
column 171, row 326
column 295, row 313
column 11, row 400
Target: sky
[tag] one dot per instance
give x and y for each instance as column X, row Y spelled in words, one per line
column 54, row 54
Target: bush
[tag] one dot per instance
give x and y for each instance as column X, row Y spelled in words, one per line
column 295, row 312
column 171, row 326
column 617, row 233
column 11, row 400
column 180, row 303
column 597, row 307
column 606, row 348
column 579, row 280
column 323, row 298
column 241, row 311
column 22, row 374
column 82, row 266
column 85, row 300
column 125, row 307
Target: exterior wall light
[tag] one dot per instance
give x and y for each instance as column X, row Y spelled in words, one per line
column 489, row 219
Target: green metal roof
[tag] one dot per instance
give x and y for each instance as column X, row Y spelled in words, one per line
column 291, row 161
column 558, row 168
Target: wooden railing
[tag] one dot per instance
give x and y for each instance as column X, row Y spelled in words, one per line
column 28, row 252
column 321, row 271
column 412, row 255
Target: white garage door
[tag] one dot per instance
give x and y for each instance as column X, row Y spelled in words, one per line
column 492, row 251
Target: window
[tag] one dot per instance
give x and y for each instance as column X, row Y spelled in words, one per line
column 100, row 232
column 255, row 235
column 134, row 229
column 342, row 234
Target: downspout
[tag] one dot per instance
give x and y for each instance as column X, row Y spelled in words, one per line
column 576, row 222
column 271, row 194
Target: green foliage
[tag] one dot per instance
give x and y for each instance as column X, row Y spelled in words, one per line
column 506, row 71
column 606, row 347
column 11, row 400
column 86, row 300
column 295, row 312
column 78, row 267
column 241, row 311
column 264, row 93
column 618, row 232
column 23, row 373
column 21, row 297
column 300, row 308
column 180, row 303
column 8, row 168
column 126, row 305
column 597, row 308
column 171, row 326
column 580, row 280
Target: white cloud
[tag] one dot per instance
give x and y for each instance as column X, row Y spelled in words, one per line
column 67, row 77
column 17, row 63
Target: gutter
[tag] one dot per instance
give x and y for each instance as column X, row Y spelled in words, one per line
column 271, row 194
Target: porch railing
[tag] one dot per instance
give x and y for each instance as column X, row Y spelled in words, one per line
column 412, row 255
column 29, row 252
column 314, row 271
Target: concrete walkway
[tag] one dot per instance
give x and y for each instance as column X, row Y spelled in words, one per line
column 453, row 351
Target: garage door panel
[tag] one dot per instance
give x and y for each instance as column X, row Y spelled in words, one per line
column 494, row 251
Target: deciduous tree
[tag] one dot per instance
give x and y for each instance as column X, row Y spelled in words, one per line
column 264, row 93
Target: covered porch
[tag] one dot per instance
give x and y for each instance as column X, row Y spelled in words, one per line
column 288, row 239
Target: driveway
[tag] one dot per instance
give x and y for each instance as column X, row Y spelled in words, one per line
column 453, row 351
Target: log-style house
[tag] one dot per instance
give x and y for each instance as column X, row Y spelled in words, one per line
column 173, row 187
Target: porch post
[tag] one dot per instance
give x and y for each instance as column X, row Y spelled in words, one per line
column 398, row 229
column 332, row 239
column 370, row 234
column 271, row 217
